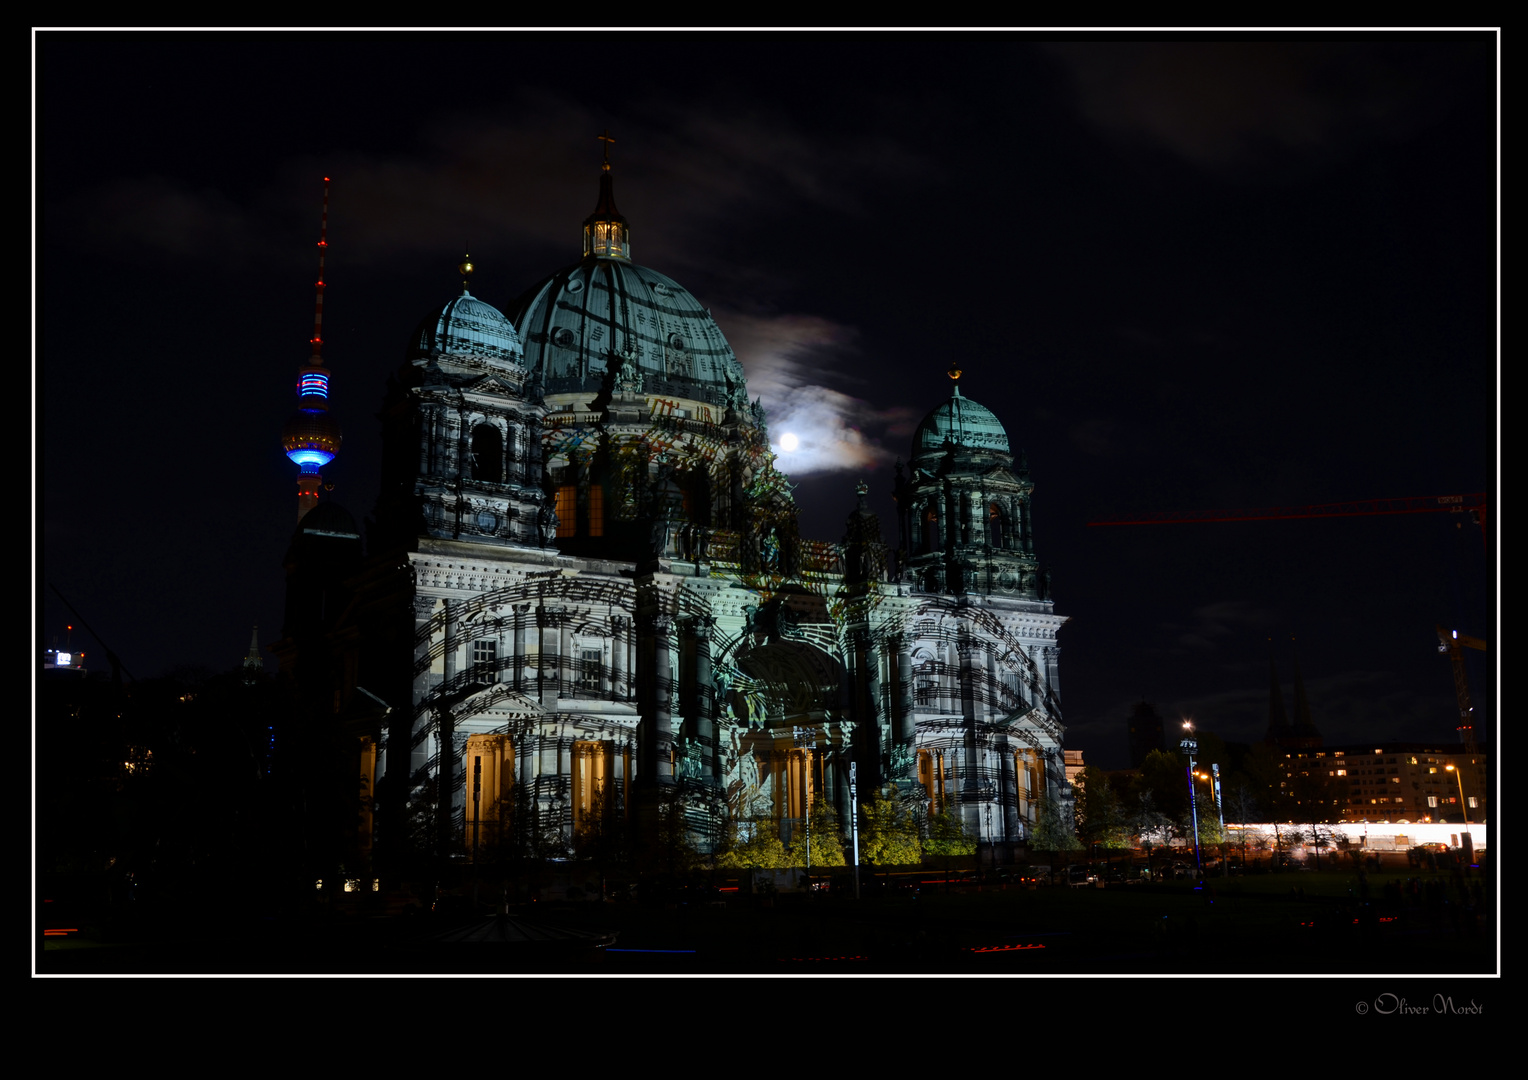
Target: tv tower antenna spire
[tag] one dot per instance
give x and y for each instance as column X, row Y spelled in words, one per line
column 312, row 437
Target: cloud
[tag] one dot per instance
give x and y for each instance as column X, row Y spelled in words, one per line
column 785, row 356
column 696, row 182
column 1094, row 436
column 165, row 215
column 1214, row 623
column 1241, row 105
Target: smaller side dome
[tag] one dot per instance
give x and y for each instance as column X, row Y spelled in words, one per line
column 962, row 422
column 467, row 328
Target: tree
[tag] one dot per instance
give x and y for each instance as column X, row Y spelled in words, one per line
column 1264, row 767
column 948, row 838
column 1241, row 805
column 826, row 837
column 753, row 845
column 1100, row 812
column 1165, row 777
column 602, row 835
column 670, row 847
column 890, row 837
column 1145, row 821
column 1052, row 832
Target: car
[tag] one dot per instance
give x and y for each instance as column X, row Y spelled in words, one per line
column 1033, row 876
column 1079, row 876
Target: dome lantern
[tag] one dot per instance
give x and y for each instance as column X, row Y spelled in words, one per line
column 606, row 235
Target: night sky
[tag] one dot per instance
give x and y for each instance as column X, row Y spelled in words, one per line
column 1186, row 275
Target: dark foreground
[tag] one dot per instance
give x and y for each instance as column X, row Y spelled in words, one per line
column 1282, row 924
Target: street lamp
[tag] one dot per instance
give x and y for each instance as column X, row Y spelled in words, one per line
column 1463, row 806
column 1189, row 744
column 1464, row 836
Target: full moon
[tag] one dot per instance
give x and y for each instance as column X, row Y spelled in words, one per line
column 789, row 442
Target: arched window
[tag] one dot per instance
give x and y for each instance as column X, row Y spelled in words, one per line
column 487, row 454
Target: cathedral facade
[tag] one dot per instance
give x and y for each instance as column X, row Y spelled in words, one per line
column 585, row 594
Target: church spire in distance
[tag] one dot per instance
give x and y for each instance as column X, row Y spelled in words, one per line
column 312, row 437
column 605, row 231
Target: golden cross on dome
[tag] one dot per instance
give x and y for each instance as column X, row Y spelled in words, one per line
column 607, row 140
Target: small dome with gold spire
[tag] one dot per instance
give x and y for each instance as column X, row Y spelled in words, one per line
column 466, row 328
column 959, row 422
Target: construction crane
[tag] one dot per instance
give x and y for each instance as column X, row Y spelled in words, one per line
column 1454, row 643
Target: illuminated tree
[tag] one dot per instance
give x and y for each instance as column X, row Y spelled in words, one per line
column 827, row 837
column 890, row 836
column 948, row 838
column 762, row 850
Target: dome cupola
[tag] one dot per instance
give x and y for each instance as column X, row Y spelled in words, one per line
column 467, row 329
column 961, row 423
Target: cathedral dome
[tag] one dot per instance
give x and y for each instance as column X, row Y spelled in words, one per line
column 577, row 322
column 467, row 327
column 962, row 422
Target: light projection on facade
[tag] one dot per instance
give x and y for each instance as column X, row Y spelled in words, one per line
column 586, row 595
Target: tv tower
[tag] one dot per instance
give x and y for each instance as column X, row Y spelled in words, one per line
column 312, row 437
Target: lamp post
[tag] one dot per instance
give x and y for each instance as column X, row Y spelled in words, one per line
column 1189, row 745
column 854, row 820
column 1464, row 807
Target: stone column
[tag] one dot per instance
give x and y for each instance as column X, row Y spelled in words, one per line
column 655, row 688
column 517, row 664
column 445, row 740
column 864, row 694
column 705, row 697
column 968, row 756
column 567, row 663
column 619, row 631
column 903, row 717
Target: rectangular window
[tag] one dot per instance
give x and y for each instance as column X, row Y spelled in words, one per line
column 596, row 510
column 1432, row 800
column 485, row 654
column 567, row 510
column 589, row 671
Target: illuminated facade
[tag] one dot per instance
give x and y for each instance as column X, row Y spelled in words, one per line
column 1405, row 783
column 587, row 597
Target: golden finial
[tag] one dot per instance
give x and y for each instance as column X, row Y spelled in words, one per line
column 607, row 140
column 465, row 267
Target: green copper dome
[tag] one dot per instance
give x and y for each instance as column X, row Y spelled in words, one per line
column 578, row 321
column 962, row 422
column 467, row 327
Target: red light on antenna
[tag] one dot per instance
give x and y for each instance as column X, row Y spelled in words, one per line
column 326, row 179
column 323, row 243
